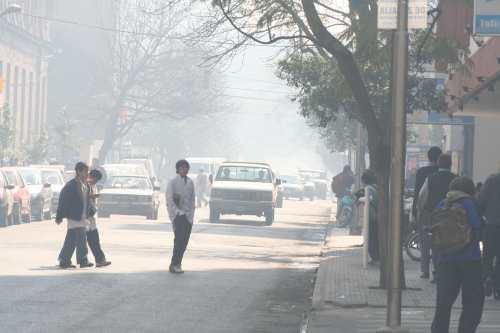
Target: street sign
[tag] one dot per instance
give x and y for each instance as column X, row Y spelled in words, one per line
column 388, row 12
column 439, row 118
column 487, row 17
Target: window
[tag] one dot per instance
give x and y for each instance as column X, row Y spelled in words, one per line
column 11, row 178
column 136, row 183
column 23, row 110
column 31, row 177
column 15, row 101
column 245, row 174
column 52, row 177
column 7, row 85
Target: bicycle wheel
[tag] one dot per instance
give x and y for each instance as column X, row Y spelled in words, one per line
column 412, row 246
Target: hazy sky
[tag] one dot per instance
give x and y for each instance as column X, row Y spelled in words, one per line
column 267, row 124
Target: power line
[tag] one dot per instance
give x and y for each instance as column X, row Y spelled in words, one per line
column 145, row 34
column 254, row 98
column 257, row 80
column 259, row 90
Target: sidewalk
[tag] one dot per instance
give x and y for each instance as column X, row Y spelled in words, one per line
column 343, row 281
column 346, row 297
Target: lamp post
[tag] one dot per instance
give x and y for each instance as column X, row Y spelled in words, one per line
column 11, row 9
column 398, row 145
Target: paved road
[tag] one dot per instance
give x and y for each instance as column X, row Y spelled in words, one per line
column 240, row 276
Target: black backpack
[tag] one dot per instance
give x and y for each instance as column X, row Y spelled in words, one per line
column 451, row 231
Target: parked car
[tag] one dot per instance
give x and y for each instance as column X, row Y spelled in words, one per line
column 54, row 176
column 293, row 187
column 22, row 195
column 6, row 202
column 41, row 193
column 243, row 188
column 129, row 195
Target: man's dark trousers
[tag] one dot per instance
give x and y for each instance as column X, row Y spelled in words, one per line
column 74, row 238
column 492, row 254
column 95, row 245
column 425, row 250
column 182, row 232
column 451, row 278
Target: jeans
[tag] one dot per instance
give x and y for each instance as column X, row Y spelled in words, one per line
column 182, row 232
column 75, row 238
column 95, row 245
column 451, row 278
column 492, row 254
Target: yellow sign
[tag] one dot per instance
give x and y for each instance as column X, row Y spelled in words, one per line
column 1, row 85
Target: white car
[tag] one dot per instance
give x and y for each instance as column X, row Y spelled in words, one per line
column 129, row 195
column 242, row 188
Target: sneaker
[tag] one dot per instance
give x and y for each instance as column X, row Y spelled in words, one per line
column 66, row 266
column 488, row 287
column 86, row 265
column 176, row 270
column 103, row 263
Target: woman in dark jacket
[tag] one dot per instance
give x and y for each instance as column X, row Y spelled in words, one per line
column 461, row 271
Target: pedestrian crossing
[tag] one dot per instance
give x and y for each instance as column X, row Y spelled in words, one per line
column 419, row 321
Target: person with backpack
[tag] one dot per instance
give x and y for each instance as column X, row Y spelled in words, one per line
column 341, row 185
column 433, row 191
column 456, row 232
column 489, row 205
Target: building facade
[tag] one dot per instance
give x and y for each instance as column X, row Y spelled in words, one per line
column 24, row 54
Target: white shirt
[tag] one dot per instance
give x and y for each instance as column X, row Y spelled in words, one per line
column 181, row 198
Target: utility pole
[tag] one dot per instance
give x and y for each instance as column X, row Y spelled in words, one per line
column 398, row 145
column 360, row 154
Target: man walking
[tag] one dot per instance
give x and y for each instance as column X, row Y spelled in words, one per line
column 433, row 191
column 489, row 206
column 181, row 206
column 420, row 178
column 74, row 205
column 201, row 187
column 93, row 234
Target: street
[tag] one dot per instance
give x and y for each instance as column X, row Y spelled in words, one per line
column 240, row 276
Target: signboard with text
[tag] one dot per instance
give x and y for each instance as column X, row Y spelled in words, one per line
column 388, row 12
column 487, row 17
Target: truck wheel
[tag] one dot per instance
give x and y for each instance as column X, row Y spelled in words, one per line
column 214, row 215
column 269, row 216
